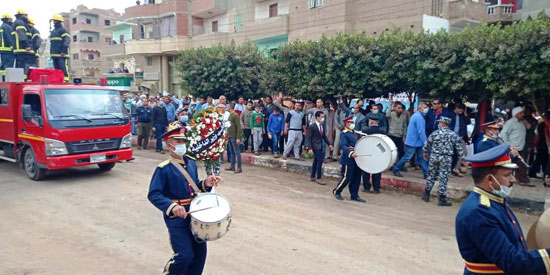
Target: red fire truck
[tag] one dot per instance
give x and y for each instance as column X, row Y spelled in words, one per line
column 46, row 124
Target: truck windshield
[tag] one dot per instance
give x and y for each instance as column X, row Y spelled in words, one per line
column 71, row 108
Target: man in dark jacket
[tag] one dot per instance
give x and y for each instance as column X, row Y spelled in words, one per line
column 459, row 122
column 59, row 48
column 436, row 112
column 144, row 114
column 159, row 120
column 315, row 136
column 6, row 45
column 22, row 49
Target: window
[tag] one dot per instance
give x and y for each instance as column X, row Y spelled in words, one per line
column 88, row 21
column 238, row 24
column 107, row 22
column 74, row 20
column 36, row 108
column 121, row 38
column 149, row 61
column 90, row 39
column 75, row 38
column 215, row 26
column 108, row 40
column 3, row 97
column 90, row 57
column 75, row 56
column 314, row 3
column 273, row 10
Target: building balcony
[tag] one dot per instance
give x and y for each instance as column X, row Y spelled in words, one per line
column 166, row 45
column 117, row 50
column 88, row 27
column 208, row 8
column 207, row 40
column 156, row 10
column 267, row 27
column 86, row 63
column 85, row 45
column 500, row 13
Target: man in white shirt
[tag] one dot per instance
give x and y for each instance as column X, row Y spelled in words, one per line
column 514, row 133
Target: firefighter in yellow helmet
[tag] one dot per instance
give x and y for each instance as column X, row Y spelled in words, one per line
column 22, row 44
column 6, row 45
column 34, row 35
column 59, row 49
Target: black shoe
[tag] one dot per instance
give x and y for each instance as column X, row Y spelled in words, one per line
column 339, row 197
column 404, row 169
column 359, row 199
column 397, row 174
column 376, row 191
column 443, row 202
column 365, row 190
column 426, row 196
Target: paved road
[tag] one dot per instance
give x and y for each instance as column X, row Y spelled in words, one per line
column 82, row 221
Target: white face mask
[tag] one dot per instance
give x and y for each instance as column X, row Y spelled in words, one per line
column 504, row 191
column 352, row 126
column 322, row 120
column 180, row 150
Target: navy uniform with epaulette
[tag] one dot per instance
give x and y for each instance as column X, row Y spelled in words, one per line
column 168, row 189
column 488, row 141
column 350, row 172
column 6, row 45
column 488, row 233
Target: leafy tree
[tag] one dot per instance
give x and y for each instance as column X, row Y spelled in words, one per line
column 230, row 70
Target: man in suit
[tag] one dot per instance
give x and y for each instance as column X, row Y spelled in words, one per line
column 316, row 134
column 358, row 118
column 351, row 174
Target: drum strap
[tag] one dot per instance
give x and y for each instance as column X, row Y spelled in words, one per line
column 186, row 175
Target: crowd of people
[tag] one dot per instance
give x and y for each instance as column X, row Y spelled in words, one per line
column 435, row 137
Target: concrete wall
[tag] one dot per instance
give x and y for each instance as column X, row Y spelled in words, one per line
column 83, row 36
column 311, row 24
column 126, row 32
column 532, row 8
column 223, row 24
column 83, row 17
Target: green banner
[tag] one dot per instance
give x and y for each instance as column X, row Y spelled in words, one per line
column 119, row 81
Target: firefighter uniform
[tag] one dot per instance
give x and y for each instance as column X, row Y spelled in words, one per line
column 441, row 145
column 36, row 41
column 59, row 48
column 170, row 188
column 22, row 44
column 488, row 233
column 350, row 172
column 6, row 45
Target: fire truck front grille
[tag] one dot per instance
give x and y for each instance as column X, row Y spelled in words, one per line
column 86, row 146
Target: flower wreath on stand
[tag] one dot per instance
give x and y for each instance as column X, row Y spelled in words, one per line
column 206, row 137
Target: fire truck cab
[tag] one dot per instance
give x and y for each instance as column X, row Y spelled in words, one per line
column 46, row 124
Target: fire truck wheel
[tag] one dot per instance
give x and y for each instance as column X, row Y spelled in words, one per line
column 31, row 167
column 106, row 166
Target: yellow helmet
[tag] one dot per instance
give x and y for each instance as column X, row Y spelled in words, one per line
column 21, row 11
column 6, row 16
column 31, row 22
column 57, row 17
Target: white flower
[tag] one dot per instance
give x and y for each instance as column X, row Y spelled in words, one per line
column 207, row 121
column 198, row 138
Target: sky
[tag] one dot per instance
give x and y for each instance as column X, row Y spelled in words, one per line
column 41, row 11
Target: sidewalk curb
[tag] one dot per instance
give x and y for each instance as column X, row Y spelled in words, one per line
column 389, row 181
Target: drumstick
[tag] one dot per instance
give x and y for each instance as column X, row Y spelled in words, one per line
column 216, row 194
column 198, row 210
column 364, row 155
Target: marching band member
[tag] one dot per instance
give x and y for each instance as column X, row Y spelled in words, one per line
column 174, row 184
column 488, row 233
column 351, row 174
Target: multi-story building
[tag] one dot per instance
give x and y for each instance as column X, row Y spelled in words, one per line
column 89, row 36
column 151, row 35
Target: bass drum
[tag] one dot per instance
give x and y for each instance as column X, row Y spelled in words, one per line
column 212, row 223
column 375, row 153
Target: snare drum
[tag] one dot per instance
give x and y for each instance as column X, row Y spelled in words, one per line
column 213, row 223
column 375, row 153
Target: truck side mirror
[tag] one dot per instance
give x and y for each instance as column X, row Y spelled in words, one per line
column 27, row 112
